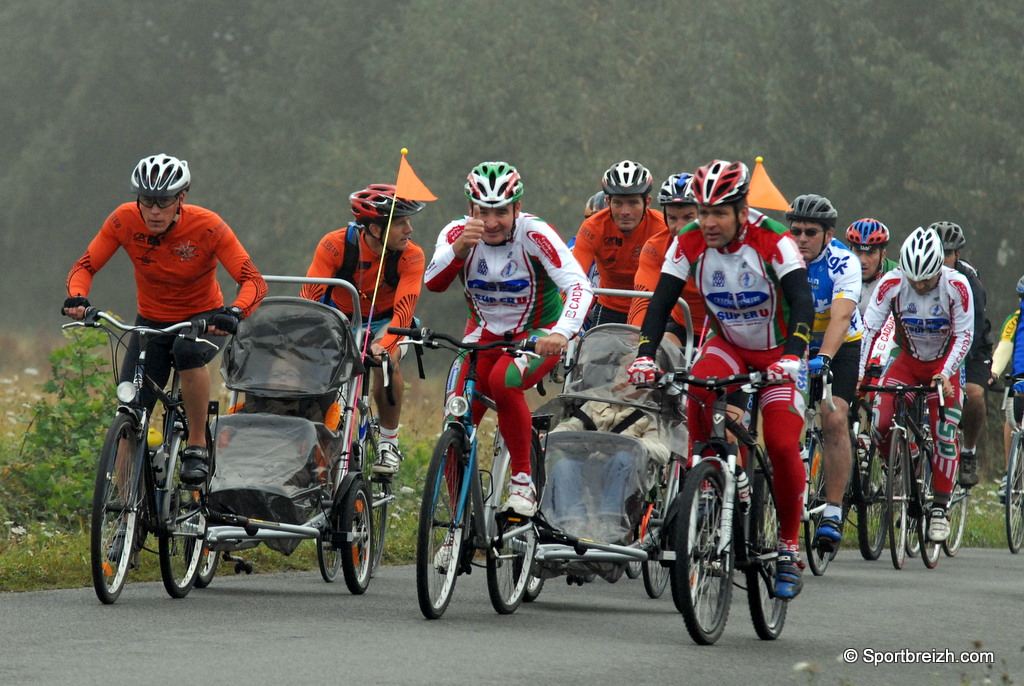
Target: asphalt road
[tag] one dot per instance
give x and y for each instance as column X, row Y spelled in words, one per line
column 295, row 629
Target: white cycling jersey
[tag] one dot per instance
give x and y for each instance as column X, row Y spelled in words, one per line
column 834, row 275
column 741, row 283
column 514, row 287
column 934, row 326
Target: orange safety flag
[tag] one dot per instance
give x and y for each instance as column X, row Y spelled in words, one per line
column 409, row 186
column 763, row 194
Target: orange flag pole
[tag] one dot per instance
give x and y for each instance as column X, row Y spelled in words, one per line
column 763, row 194
column 408, row 187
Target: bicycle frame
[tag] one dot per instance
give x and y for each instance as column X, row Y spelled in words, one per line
column 720, row 444
column 484, row 507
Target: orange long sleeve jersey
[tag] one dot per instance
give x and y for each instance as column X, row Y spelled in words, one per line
column 395, row 302
column 647, row 274
column 175, row 273
column 617, row 254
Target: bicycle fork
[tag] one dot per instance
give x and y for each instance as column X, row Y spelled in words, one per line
column 727, row 468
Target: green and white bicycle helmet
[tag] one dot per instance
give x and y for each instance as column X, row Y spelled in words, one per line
column 493, row 184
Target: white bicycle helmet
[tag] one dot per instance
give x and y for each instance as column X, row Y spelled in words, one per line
column 627, row 178
column 160, row 176
column 921, row 255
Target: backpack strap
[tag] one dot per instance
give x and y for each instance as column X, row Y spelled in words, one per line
column 349, row 260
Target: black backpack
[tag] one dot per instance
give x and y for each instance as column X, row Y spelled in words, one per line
column 350, row 263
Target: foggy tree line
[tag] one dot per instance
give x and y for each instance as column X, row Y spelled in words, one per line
column 907, row 114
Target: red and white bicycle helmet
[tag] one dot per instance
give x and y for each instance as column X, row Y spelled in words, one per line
column 721, row 183
column 373, row 204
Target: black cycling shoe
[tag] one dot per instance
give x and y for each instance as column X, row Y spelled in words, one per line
column 968, row 476
column 195, row 465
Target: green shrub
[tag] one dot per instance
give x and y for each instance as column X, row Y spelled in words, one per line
column 52, row 478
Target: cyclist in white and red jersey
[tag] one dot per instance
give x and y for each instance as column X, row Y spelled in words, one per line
column 934, row 314
column 759, row 302
column 512, row 266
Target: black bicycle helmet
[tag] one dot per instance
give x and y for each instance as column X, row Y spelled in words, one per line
column 813, row 208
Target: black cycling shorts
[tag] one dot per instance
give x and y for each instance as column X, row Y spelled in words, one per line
column 162, row 350
column 845, row 366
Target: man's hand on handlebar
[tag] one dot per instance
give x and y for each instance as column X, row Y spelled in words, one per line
column 553, row 344
column 75, row 307
column 941, row 381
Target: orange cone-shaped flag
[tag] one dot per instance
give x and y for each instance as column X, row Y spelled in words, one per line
column 409, row 186
column 763, row 193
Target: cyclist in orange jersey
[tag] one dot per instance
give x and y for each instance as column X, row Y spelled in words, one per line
column 613, row 237
column 679, row 208
column 174, row 249
column 354, row 253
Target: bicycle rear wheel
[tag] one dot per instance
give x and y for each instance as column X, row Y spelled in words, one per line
column 441, row 533
column 816, row 500
column 957, row 519
column 702, row 574
column 510, row 559
column 356, row 530
column 1014, row 495
column 767, row 611
column 183, row 528
column 116, row 503
column 870, row 498
column 896, row 494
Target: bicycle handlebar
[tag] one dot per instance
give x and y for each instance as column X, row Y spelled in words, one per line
column 96, row 318
column 434, row 339
column 906, row 388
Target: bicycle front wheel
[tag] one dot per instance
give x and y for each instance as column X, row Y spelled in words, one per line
column 116, row 504
column 931, row 551
column 183, row 529
column 702, row 574
column 816, row 500
column 441, row 532
column 896, row 493
column 1014, row 495
column 871, row 499
column 380, row 495
column 767, row 611
column 957, row 519
column 510, row 558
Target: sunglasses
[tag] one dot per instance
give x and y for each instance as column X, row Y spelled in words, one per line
column 810, row 233
column 162, row 203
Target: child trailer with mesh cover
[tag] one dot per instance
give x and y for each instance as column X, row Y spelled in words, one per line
column 287, row 467
column 612, row 457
